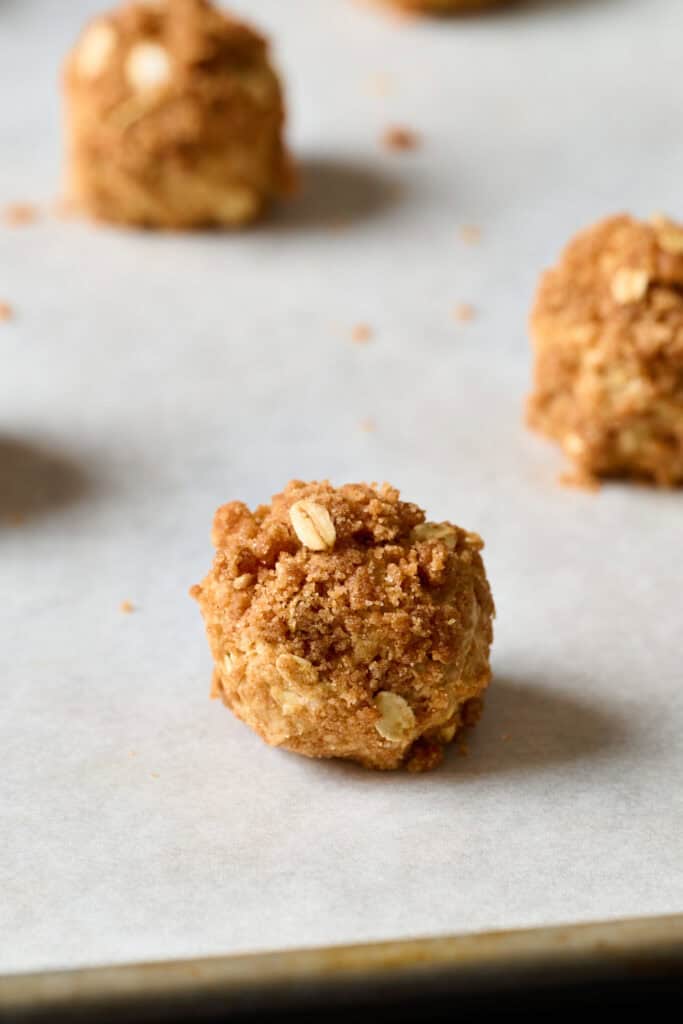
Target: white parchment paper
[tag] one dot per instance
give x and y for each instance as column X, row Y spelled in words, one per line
column 145, row 379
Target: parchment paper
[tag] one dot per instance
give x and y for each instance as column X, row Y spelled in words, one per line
column 147, row 379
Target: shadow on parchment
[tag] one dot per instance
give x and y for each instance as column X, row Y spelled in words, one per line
column 36, row 480
column 527, row 727
column 333, row 194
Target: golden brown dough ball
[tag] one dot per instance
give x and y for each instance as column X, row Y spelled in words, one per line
column 344, row 625
column 607, row 331
column 174, row 118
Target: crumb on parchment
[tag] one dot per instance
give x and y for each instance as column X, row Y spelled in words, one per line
column 464, row 311
column 20, row 214
column 398, row 138
column 361, row 334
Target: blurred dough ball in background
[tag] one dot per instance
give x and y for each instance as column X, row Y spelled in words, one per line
column 174, row 118
column 607, row 331
column 445, row 6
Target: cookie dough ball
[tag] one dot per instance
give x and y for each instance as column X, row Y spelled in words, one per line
column 607, row 330
column 344, row 625
column 174, row 118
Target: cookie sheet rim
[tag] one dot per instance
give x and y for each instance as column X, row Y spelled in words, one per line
column 647, row 950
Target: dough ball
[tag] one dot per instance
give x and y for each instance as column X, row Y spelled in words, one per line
column 174, row 118
column 607, row 331
column 344, row 625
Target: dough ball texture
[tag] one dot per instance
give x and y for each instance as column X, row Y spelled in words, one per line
column 607, row 332
column 174, row 118
column 343, row 625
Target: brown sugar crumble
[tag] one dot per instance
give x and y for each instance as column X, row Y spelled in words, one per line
column 400, row 139
column 126, row 607
column 6, row 311
column 343, row 624
column 368, row 425
column 607, row 333
column 20, row 214
column 361, row 334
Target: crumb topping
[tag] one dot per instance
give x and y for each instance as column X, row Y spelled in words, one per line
column 192, row 35
column 382, row 592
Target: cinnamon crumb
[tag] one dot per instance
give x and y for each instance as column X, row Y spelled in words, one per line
column 470, row 234
column 18, row 214
column 400, row 139
column 464, row 311
column 5, row 311
column 361, row 334
column 127, row 607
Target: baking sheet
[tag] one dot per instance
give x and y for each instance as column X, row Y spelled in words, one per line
column 147, row 379
column 637, row 963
